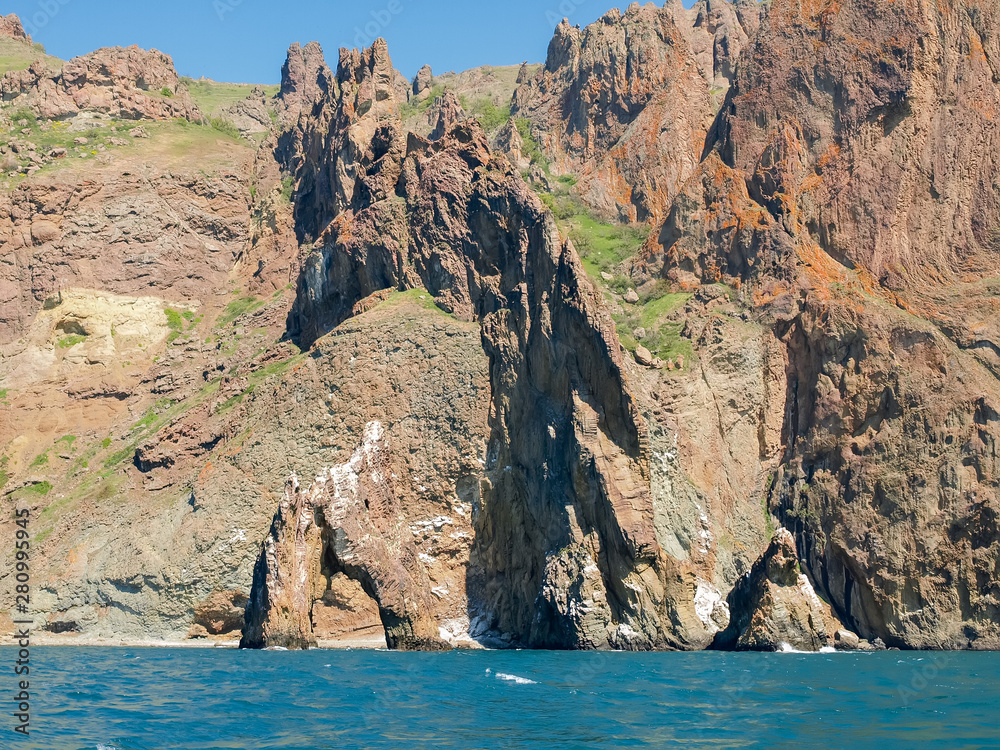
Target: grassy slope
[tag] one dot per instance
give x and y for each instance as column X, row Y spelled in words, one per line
column 477, row 90
column 15, row 55
column 605, row 250
column 212, row 97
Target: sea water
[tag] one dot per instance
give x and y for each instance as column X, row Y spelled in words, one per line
column 140, row 699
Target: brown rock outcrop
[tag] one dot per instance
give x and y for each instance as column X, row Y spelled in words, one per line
column 125, row 82
column 626, row 102
column 509, row 142
column 329, row 180
column 577, row 482
column 449, row 114
column 250, row 115
column 190, row 226
column 305, row 81
column 774, row 607
column 10, row 26
column 717, row 31
column 348, row 522
column 422, row 81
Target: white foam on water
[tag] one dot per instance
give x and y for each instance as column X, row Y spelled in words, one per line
column 787, row 648
column 514, row 678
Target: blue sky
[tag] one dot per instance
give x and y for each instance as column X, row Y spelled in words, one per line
column 246, row 40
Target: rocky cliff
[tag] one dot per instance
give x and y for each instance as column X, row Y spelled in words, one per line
column 130, row 83
column 625, row 103
column 374, row 363
column 564, row 552
column 847, row 187
column 775, row 607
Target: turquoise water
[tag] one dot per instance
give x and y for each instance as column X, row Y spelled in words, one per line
column 139, row 699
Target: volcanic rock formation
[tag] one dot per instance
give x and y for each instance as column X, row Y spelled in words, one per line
column 521, row 425
column 130, row 83
column 625, row 103
column 564, row 553
column 774, row 607
column 847, row 184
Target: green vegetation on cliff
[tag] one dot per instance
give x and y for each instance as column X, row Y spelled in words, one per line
column 212, row 96
column 18, row 55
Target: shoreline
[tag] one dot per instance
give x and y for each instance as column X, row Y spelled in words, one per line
column 370, row 645
column 361, row 644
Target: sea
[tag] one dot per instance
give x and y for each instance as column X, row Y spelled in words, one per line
column 146, row 698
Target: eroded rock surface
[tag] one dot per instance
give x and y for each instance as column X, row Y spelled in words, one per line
column 455, row 219
column 813, row 333
column 348, row 521
column 774, row 607
column 10, row 26
column 625, row 103
column 126, row 82
column 825, row 197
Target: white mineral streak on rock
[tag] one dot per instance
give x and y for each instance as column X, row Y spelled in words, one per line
column 628, row 633
column 709, row 607
column 810, row 593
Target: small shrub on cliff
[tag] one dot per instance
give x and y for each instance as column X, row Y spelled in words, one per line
column 175, row 321
column 166, row 92
column 38, row 489
column 531, row 148
column 490, row 116
column 68, row 342
column 224, row 126
column 40, row 461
